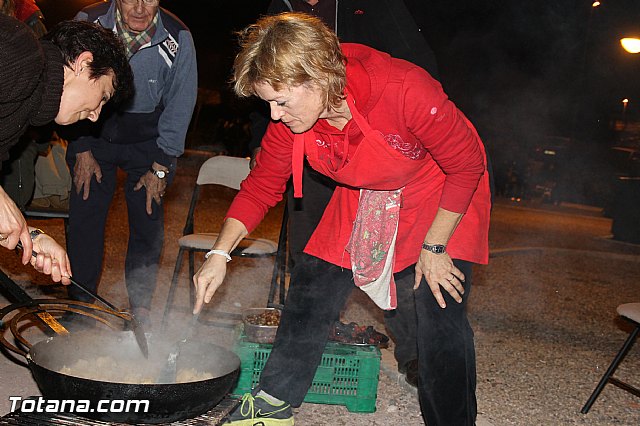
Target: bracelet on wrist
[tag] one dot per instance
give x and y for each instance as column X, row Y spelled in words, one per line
column 219, row 253
column 34, row 234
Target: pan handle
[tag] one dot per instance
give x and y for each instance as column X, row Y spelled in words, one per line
column 39, row 307
column 4, row 342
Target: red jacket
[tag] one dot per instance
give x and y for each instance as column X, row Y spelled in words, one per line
column 424, row 132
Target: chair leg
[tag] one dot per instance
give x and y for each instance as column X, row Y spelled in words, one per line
column 280, row 265
column 612, row 368
column 172, row 289
column 192, row 272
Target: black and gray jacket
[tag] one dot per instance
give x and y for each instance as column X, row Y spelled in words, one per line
column 166, row 87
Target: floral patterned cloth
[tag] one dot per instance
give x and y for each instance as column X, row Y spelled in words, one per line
column 372, row 245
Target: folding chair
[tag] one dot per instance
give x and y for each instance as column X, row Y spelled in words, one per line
column 225, row 171
column 31, row 212
column 280, row 267
column 630, row 312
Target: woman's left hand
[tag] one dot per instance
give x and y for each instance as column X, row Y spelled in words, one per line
column 439, row 271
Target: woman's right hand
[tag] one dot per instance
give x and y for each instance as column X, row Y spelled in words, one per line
column 208, row 279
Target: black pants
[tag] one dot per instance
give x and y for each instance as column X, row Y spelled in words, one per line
column 87, row 219
column 304, row 215
column 446, row 357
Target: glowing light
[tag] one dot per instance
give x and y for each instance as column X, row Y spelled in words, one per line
column 631, row 44
column 595, row 4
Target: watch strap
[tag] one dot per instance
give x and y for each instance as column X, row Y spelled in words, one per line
column 34, row 234
column 435, row 248
column 158, row 172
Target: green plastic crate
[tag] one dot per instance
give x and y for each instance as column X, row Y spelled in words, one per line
column 347, row 375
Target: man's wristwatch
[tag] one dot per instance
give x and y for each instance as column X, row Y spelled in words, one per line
column 435, row 248
column 161, row 174
column 34, row 234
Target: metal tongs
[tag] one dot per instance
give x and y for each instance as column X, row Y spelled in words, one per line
column 136, row 326
column 170, row 370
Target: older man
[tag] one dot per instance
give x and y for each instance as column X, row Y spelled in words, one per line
column 144, row 140
column 67, row 77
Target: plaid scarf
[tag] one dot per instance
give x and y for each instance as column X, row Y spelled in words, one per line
column 134, row 41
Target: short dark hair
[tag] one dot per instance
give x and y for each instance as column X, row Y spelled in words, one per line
column 109, row 54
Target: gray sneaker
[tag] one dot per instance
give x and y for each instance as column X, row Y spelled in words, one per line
column 258, row 411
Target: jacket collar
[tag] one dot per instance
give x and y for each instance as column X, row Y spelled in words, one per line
column 108, row 20
column 367, row 74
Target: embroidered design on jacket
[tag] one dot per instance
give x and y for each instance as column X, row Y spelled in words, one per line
column 413, row 151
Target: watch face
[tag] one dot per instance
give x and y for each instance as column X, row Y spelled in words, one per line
column 160, row 173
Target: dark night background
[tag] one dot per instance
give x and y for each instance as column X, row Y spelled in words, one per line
column 529, row 75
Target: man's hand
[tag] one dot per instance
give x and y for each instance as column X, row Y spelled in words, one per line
column 154, row 185
column 51, row 260
column 13, row 227
column 86, row 166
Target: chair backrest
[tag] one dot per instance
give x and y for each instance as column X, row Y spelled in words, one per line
column 224, row 170
column 219, row 170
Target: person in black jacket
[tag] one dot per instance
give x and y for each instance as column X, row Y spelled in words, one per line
column 66, row 77
column 385, row 25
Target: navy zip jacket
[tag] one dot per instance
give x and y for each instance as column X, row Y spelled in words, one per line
column 166, row 88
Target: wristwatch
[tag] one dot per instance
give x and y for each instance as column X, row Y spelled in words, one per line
column 161, row 174
column 34, row 234
column 435, row 248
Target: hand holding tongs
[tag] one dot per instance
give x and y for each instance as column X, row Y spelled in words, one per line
column 136, row 326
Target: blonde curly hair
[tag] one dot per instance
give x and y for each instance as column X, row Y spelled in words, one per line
column 287, row 50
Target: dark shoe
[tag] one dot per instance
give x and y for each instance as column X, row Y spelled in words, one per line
column 257, row 410
column 411, row 372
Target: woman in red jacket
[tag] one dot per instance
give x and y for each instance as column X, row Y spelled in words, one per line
column 411, row 208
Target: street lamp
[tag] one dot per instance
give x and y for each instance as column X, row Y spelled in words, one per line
column 630, row 44
column 625, row 102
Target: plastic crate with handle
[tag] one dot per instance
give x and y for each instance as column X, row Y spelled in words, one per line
column 347, row 375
